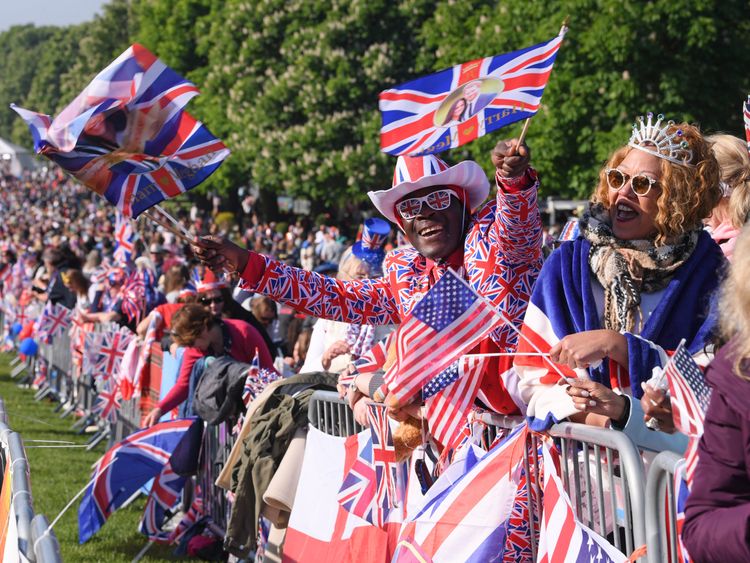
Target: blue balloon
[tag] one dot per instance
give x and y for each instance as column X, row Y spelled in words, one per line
column 28, row 347
column 16, row 328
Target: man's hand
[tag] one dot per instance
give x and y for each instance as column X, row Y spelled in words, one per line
column 511, row 160
column 592, row 397
column 220, row 254
column 582, row 349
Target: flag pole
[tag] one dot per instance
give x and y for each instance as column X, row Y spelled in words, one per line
column 159, row 220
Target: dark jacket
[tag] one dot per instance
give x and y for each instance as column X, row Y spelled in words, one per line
column 717, row 515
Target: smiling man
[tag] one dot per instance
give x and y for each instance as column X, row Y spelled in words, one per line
column 495, row 246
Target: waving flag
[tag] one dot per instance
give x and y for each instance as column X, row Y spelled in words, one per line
column 465, row 515
column 256, row 380
column 133, row 295
column 690, row 397
column 450, row 319
column 108, row 352
column 390, row 475
column 462, row 103
column 127, row 466
column 563, row 539
column 357, row 492
column 127, row 136
column 124, row 235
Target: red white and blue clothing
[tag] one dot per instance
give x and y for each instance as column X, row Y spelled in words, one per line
column 565, row 301
column 500, row 259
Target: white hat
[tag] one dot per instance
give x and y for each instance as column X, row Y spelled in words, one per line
column 415, row 172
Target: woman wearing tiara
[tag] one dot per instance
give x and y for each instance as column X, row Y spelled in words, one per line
column 637, row 280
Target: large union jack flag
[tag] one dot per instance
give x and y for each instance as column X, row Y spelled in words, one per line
column 450, row 319
column 462, row 103
column 390, row 475
column 126, row 467
column 357, row 493
column 127, row 136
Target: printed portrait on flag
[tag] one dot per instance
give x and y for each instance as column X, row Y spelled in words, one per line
column 454, row 106
column 467, row 100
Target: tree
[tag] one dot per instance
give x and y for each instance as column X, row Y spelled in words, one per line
column 295, row 84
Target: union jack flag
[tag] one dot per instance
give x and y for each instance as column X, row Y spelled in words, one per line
column 462, row 103
column 127, row 136
column 124, row 235
column 164, row 496
column 371, row 361
column 108, row 351
column 108, row 401
column 450, row 319
column 746, row 115
column 192, row 516
column 562, row 537
column 390, row 475
column 357, row 492
column 256, row 380
column 126, row 467
column 690, row 397
column 53, row 321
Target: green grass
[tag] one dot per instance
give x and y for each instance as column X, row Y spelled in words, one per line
column 57, row 474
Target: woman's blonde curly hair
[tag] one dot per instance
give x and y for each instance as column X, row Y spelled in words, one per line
column 688, row 193
column 734, row 305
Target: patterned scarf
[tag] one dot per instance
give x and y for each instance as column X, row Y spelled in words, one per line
column 625, row 268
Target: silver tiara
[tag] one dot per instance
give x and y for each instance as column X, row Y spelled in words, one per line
column 669, row 146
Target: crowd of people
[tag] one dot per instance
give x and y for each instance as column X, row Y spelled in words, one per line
column 590, row 324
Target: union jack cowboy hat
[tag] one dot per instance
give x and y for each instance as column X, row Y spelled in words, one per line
column 415, row 172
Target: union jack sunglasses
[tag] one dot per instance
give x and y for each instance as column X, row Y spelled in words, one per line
column 438, row 200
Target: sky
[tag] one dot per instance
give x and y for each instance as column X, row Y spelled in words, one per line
column 47, row 12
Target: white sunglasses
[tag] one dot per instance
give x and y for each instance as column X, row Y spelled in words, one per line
column 438, row 200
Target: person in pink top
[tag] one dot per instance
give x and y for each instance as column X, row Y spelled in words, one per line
column 195, row 328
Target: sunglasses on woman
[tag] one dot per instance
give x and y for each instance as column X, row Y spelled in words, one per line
column 209, row 300
column 640, row 183
column 438, row 200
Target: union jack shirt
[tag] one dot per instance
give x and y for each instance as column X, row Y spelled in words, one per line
column 502, row 258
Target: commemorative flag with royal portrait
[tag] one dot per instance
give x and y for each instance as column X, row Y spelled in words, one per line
column 127, row 136
column 452, row 107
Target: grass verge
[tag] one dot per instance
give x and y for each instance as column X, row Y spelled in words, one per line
column 57, row 474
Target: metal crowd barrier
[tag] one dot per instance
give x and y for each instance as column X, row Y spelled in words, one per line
column 217, row 444
column 661, row 526
column 14, row 454
column 46, row 546
column 602, row 471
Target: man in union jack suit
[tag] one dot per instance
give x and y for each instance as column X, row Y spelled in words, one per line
column 495, row 246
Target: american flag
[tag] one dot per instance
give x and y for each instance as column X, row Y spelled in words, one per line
column 562, row 538
column 108, row 401
column 690, row 397
column 164, row 496
column 447, row 411
column 127, row 136
column 450, row 319
column 124, row 235
column 417, row 115
column 746, row 115
column 126, row 467
column 390, row 475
